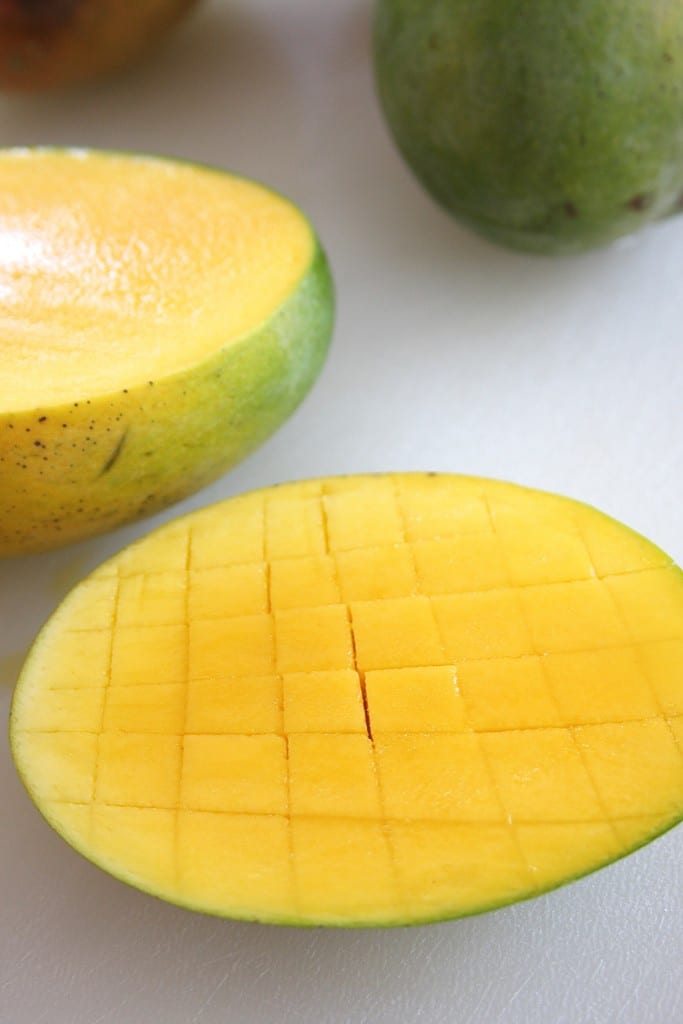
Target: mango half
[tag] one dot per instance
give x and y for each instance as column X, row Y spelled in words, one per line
column 363, row 701
column 158, row 321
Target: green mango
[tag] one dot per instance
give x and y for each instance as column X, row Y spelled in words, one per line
column 546, row 126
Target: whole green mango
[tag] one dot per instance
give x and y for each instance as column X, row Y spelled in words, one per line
column 546, row 125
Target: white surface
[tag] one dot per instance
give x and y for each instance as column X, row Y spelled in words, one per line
column 449, row 354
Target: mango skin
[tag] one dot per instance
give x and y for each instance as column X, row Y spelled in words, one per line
column 547, row 127
column 73, row 471
column 50, row 44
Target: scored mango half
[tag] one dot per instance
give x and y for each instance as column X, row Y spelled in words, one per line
column 372, row 700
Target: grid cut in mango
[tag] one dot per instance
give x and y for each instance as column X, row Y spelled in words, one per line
column 304, row 582
column 361, row 701
column 154, row 599
column 235, row 774
column 323, row 702
column 82, row 660
column 222, row 590
column 159, row 708
column 391, row 704
column 507, row 694
column 663, row 665
column 294, row 527
column 472, row 561
column 254, row 706
column 375, row 574
column 333, row 775
column 239, row 860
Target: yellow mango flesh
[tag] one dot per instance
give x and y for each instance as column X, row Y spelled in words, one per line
column 362, row 701
column 158, row 320
column 118, row 274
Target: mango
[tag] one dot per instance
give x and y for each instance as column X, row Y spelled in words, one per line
column 551, row 128
column 372, row 700
column 49, row 44
column 159, row 321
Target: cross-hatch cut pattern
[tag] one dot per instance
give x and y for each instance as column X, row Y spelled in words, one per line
column 366, row 699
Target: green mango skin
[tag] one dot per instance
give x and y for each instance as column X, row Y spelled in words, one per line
column 546, row 126
column 74, row 471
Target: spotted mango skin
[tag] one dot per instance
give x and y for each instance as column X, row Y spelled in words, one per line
column 73, row 471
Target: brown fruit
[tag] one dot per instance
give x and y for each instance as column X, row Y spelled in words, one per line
column 47, row 44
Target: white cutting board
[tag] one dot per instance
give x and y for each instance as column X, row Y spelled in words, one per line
column 449, row 354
